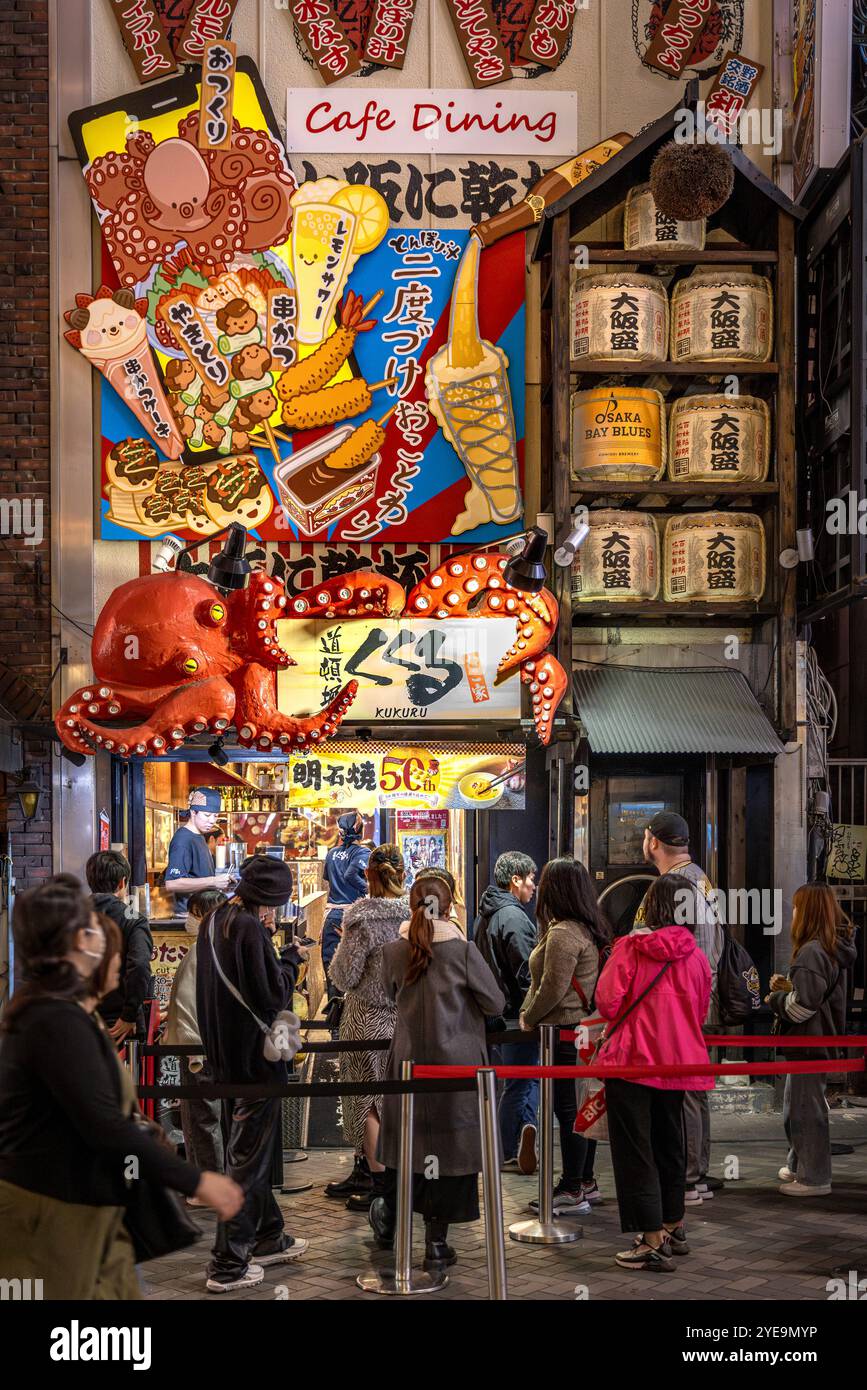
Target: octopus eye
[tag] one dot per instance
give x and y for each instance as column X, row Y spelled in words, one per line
column 217, row 613
column 191, row 665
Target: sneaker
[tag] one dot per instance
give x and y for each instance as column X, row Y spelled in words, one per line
column 569, row 1199
column 677, row 1240
column 786, row 1175
column 527, row 1162
column 693, row 1197
column 254, row 1275
column 643, row 1256
column 803, row 1189
column 292, row 1251
column 707, row 1183
column 590, row 1192
column 704, row 1192
column 510, row 1165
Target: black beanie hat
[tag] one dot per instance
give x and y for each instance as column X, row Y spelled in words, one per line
column 265, row 881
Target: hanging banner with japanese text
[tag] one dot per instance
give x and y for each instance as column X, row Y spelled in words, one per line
column 458, row 776
column 405, row 668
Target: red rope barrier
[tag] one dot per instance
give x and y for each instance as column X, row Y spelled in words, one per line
column 816, row 1065
column 773, row 1040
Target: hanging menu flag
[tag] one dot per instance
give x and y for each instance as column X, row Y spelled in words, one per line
column 479, row 37
column 328, row 42
column 677, row 35
column 217, row 94
column 388, row 35
column 207, row 20
column 549, row 32
column 144, row 38
column 735, row 83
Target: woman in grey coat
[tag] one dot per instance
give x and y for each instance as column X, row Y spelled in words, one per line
column 368, row 1012
column 443, row 990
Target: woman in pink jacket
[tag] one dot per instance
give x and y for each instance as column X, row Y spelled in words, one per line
column 655, row 990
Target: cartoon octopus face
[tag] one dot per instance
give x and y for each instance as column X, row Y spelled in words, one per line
column 177, row 179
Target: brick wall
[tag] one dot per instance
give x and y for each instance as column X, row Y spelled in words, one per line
column 25, row 612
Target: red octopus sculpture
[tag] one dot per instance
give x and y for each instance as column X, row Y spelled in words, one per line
column 169, row 648
column 220, row 202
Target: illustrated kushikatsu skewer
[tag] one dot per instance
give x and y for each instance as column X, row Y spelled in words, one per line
column 332, row 403
column 323, row 365
column 361, row 445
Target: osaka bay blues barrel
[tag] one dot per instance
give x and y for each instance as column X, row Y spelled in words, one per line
column 645, row 228
column 619, row 560
column 722, row 315
column 619, row 317
column 618, row 435
column 719, row 439
column 714, row 557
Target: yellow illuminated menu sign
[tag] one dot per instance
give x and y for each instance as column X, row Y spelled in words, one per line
column 409, row 777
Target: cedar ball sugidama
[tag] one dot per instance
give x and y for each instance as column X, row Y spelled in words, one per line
column 691, row 181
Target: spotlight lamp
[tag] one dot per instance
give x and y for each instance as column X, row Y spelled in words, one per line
column 566, row 551
column 229, row 570
column 217, row 753
column 526, row 570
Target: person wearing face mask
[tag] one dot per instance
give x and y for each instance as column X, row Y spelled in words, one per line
column 67, row 1132
column 200, row 1119
column 191, row 864
column 108, row 874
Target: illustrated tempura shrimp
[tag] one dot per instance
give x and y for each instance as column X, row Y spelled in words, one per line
column 319, row 368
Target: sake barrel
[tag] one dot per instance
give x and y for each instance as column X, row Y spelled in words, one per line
column 618, row 434
column 722, row 315
column 719, row 439
column 645, row 228
column 619, row 318
column 716, row 557
column 619, row 559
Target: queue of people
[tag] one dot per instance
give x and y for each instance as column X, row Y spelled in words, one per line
column 404, row 970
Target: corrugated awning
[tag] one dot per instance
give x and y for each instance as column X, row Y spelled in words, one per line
column 673, row 711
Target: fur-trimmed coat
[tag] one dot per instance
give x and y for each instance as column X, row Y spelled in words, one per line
column 368, row 925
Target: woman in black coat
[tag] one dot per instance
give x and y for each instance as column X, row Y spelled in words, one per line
column 444, row 991
column 67, row 1136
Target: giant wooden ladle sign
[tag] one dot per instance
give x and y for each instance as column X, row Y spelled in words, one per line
column 174, row 656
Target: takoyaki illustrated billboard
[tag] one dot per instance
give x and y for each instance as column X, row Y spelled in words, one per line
column 277, row 354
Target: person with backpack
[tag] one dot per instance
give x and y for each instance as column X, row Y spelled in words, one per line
column 666, row 846
column 122, row 1011
column 344, row 873
column 241, row 985
column 563, row 971
column 811, row 1000
column 654, row 989
column 506, row 936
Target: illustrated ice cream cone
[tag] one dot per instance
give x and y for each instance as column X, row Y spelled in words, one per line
column 467, row 387
column 109, row 331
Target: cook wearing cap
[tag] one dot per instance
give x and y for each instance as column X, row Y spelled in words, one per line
column 191, row 864
column 345, row 866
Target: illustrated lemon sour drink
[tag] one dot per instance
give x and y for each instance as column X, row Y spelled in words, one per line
column 322, row 243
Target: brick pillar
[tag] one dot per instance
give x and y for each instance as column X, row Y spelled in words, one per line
column 25, row 610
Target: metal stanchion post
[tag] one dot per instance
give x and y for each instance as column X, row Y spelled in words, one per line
column 403, row 1279
column 133, row 1059
column 492, row 1184
column 545, row 1230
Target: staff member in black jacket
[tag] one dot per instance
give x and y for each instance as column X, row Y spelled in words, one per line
column 66, row 1135
column 108, row 874
column 238, row 938
column 506, row 937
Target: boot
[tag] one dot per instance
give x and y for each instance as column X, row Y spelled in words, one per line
column 382, row 1222
column 359, row 1180
column 437, row 1253
column 360, row 1201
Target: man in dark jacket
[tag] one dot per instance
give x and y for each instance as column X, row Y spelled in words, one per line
column 345, row 866
column 108, row 874
column 235, row 945
column 505, row 935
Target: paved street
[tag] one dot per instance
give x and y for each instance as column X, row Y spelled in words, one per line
column 748, row 1242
